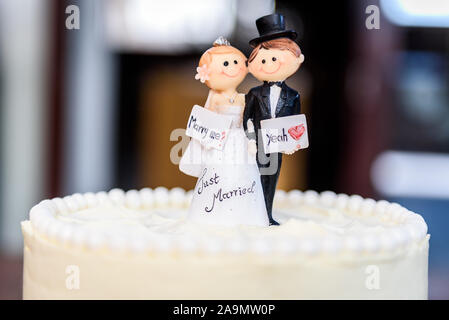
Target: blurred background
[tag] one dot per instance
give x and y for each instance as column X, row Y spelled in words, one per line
column 92, row 108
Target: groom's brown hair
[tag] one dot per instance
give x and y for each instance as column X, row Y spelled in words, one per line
column 281, row 44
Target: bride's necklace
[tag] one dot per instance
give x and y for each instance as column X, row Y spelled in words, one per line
column 232, row 98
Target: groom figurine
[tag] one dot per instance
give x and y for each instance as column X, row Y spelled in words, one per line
column 275, row 57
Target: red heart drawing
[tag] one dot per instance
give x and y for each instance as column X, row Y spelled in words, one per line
column 296, row 132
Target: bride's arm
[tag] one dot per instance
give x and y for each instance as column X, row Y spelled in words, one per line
column 248, row 114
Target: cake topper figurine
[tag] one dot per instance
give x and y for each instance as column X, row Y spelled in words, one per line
column 228, row 190
column 275, row 57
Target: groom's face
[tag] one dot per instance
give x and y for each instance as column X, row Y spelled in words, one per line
column 274, row 64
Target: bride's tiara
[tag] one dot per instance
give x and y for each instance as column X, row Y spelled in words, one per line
column 221, row 41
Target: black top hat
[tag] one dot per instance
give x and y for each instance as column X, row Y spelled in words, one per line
column 272, row 27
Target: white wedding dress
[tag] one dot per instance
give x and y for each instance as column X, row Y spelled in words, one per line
column 228, row 191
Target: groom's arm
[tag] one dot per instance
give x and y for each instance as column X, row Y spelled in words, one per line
column 248, row 114
column 297, row 105
column 296, row 110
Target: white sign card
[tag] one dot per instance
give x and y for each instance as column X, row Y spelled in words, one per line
column 284, row 134
column 209, row 128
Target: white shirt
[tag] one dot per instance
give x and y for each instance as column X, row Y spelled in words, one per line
column 275, row 92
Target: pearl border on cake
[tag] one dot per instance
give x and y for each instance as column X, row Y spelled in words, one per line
column 411, row 227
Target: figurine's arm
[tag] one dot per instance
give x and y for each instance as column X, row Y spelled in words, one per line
column 296, row 110
column 297, row 105
column 248, row 114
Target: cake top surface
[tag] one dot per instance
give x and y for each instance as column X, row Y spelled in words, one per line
column 155, row 220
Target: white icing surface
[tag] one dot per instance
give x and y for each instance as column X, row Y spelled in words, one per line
column 155, row 219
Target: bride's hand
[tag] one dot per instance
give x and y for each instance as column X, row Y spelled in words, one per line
column 252, row 147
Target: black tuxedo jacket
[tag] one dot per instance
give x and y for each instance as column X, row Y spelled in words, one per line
column 257, row 106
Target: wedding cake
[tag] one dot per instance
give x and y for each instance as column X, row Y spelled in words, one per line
column 139, row 245
column 234, row 236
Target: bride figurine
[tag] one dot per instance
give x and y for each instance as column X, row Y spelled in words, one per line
column 228, row 190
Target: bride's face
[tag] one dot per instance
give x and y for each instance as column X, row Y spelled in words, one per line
column 227, row 71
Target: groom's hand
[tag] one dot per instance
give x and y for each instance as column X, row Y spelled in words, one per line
column 252, row 147
column 293, row 151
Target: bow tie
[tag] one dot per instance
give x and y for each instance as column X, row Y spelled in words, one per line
column 272, row 83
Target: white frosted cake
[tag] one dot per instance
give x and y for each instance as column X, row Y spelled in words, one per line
column 138, row 245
